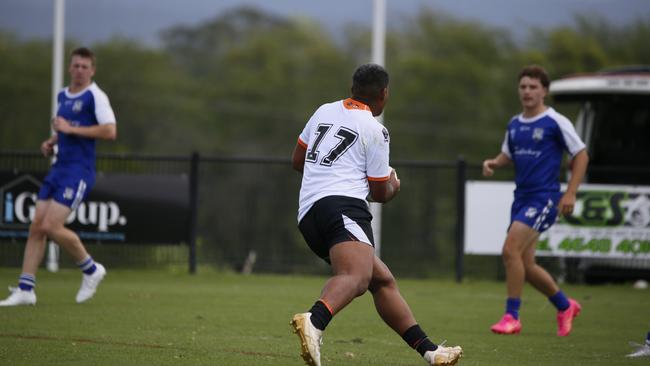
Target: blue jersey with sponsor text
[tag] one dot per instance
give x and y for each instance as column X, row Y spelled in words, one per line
column 88, row 107
column 536, row 146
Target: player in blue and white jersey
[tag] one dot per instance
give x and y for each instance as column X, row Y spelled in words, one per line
column 84, row 114
column 535, row 142
column 343, row 155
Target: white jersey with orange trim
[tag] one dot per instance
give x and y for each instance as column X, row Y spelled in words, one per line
column 346, row 147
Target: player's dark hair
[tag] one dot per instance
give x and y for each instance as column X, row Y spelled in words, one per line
column 369, row 80
column 536, row 72
column 85, row 53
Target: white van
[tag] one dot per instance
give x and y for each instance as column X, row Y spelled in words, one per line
column 614, row 122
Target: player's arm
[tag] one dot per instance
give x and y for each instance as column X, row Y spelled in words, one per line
column 298, row 156
column 499, row 161
column 384, row 190
column 105, row 131
column 578, row 168
column 47, row 146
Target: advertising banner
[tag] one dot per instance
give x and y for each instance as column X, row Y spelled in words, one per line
column 123, row 208
column 609, row 221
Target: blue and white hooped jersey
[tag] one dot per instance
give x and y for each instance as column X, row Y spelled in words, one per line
column 86, row 108
column 536, row 146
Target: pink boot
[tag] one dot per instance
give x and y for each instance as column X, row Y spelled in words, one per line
column 565, row 318
column 507, row 325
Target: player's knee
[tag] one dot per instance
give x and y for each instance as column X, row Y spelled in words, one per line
column 37, row 229
column 47, row 228
column 362, row 283
column 511, row 251
column 381, row 282
column 510, row 255
column 530, row 268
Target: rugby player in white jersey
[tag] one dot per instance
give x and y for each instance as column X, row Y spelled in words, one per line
column 343, row 154
column 84, row 114
column 535, row 141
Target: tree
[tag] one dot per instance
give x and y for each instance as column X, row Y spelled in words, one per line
column 263, row 74
column 449, row 87
column 25, row 95
column 159, row 107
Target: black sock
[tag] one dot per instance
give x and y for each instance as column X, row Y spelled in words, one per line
column 418, row 340
column 320, row 315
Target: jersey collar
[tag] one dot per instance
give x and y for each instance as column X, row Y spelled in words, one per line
column 74, row 95
column 355, row 104
column 535, row 118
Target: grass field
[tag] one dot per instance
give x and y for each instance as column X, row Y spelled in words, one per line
column 172, row 318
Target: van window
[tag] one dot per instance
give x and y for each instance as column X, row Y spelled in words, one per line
column 619, row 148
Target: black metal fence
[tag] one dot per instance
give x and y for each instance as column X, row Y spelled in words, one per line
column 243, row 216
column 244, row 213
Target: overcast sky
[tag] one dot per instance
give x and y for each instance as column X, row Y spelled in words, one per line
column 90, row 21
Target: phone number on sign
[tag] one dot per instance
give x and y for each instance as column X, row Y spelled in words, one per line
column 580, row 245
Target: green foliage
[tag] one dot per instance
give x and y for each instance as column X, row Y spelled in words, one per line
column 25, row 92
column 246, row 81
column 568, row 51
column 159, row 107
column 265, row 75
column 623, row 45
column 448, row 88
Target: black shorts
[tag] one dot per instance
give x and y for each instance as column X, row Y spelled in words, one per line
column 335, row 219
